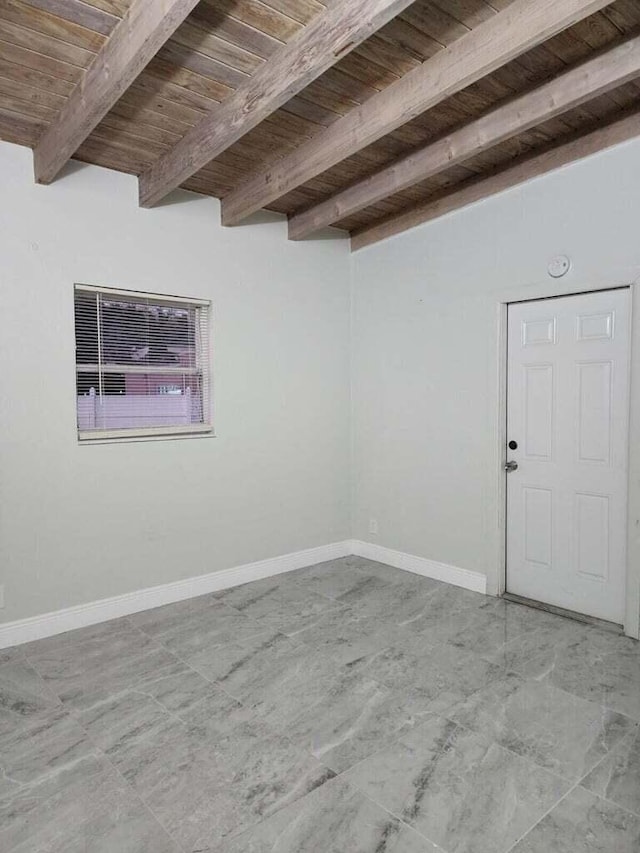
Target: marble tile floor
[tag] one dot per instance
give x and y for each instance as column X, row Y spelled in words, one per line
column 345, row 708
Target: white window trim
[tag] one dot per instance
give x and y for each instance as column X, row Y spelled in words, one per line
column 101, row 435
column 141, row 294
column 127, row 434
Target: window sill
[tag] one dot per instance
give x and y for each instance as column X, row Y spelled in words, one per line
column 88, row 437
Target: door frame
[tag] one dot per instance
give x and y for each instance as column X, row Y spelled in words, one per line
column 497, row 573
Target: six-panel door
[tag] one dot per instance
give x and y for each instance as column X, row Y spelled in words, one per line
column 568, row 411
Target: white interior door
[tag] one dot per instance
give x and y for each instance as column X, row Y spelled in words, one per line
column 568, row 413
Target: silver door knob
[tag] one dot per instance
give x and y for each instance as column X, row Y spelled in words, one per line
column 511, row 466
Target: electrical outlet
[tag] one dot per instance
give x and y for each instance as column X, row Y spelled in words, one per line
column 1, row 596
column 373, row 527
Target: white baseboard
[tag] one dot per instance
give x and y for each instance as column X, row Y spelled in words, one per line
column 49, row 624
column 421, row 566
column 82, row 615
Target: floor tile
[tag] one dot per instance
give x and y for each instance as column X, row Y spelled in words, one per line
column 332, row 711
column 343, row 634
column 24, row 695
column 252, row 777
column 559, row 731
column 533, row 651
column 495, row 625
column 271, row 605
column 347, row 717
column 83, row 673
column 40, row 748
column 208, row 770
column 190, row 627
column 396, row 604
column 332, row 579
column 602, row 667
column 102, row 631
column 389, row 574
column 584, row 823
column 112, row 717
column 617, row 777
column 336, row 818
column 85, row 807
column 263, row 668
column 445, row 612
column 339, row 616
column 443, row 675
column 248, row 593
column 464, row 793
column 10, row 654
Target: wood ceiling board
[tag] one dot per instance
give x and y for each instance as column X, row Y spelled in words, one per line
column 34, row 78
column 79, row 12
column 27, row 17
column 299, row 10
column 625, row 14
column 468, row 59
column 18, row 128
column 30, row 59
column 235, row 64
column 516, row 173
column 46, row 44
column 576, row 86
column 290, row 69
column 121, row 58
column 482, row 164
column 114, row 7
column 217, row 18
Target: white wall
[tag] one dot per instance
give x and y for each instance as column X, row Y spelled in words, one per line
column 83, row 523
column 426, row 353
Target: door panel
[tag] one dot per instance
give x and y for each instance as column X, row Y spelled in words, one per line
column 568, row 410
column 591, row 518
column 539, row 411
column 594, row 411
column 538, row 521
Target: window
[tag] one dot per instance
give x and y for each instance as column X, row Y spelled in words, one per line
column 142, row 364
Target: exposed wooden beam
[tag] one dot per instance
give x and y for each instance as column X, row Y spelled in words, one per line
column 613, row 68
column 521, row 26
column 133, row 43
column 314, row 49
column 527, row 168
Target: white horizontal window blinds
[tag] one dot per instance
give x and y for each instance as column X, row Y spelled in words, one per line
column 142, row 364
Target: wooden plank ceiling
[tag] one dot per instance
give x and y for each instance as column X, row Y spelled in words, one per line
column 224, row 47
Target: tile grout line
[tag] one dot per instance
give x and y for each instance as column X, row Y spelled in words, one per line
column 74, row 715
column 533, row 763
column 144, row 803
column 604, row 758
column 443, row 716
column 403, row 822
column 256, row 714
column 600, row 705
column 539, row 821
column 98, row 751
column 610, row 802
column 564, row 797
